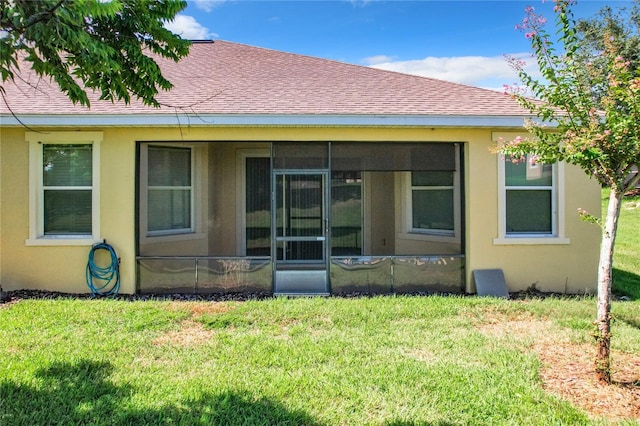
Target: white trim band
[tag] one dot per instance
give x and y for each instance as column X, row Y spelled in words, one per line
column 205, row 120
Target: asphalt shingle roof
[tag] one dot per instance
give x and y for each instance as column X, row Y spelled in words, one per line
column 222, row 77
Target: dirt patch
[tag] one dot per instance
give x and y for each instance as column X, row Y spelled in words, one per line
column 518, row 326
column 197, row 309
column 568, row 369
column 192, row 333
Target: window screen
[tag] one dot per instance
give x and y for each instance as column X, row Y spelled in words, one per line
column 169, row 190
column 67, row 186
column 300, row 155
column 346, row 214
column 258, row 206
column 529, row 197
column 432, row 201
column 392, row 156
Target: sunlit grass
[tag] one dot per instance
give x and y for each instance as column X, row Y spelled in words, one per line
column 626, row 260
column 387, row 360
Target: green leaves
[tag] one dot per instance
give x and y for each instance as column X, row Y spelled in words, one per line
column 594, row 110
column 90, row 44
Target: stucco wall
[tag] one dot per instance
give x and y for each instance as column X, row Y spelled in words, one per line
column 62, row 267
column 563, row 267
column 570, row 268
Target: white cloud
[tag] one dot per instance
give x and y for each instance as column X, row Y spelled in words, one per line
column 377, row 60
column 188, row 28
column 490, row 72
column 207, row 5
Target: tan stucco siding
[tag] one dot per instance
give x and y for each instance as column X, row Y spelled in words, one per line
column 117, row 200
column 568, row 268
column 562, row 267
column 62, row 267
column 14, row 203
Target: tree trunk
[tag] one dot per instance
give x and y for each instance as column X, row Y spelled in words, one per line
column 605, row 269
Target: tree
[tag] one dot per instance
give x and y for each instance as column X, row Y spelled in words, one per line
column 588, row 115
column 620, row 27
column 622, row 24
column 91, row 44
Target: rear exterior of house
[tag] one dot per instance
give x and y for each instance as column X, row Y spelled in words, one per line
column 272, row 172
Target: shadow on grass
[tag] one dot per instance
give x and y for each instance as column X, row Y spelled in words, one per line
column 626, row 284
column 82, row 393
column 630, row 320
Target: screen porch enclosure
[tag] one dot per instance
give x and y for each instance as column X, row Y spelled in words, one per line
column 300, row 217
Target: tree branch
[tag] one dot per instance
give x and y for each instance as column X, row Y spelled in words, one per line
column 22, row 123
column 40, row 16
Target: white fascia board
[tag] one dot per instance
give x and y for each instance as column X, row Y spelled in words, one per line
column 277, row 120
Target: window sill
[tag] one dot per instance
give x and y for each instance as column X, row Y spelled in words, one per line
column 151, row 239
column 63, row 240
column 429, row 237
column 546, row 240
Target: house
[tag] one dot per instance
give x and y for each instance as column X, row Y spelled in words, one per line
column 277, row 172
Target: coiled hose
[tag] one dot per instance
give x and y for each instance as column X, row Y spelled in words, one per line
column 108, row 277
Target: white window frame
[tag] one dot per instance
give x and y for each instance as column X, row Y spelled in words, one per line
column 170, row 235
column 557, row 235
column 191, row 228
column 36, row 142
column 435, row 235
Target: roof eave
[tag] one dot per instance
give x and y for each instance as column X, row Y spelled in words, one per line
column 261, row 120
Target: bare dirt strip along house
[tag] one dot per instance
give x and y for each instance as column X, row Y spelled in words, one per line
column 277, row 172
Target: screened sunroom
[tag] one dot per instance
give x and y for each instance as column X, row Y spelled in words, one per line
column 300, row 217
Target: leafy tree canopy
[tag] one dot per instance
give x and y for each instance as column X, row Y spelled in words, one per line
column 621, row 26
column 593, row 101
column 611, row 29
column 94, row 44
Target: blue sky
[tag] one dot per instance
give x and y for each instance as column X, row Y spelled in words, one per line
column 461, row 41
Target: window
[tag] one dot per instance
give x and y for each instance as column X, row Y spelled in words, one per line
column 169, row 190
column 530, row 202
column 432, row 202
column 64, row 177
column 174, row 203
column 67, row 181
column 529, row 197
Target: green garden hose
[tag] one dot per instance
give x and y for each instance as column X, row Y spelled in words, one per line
column 108, row 277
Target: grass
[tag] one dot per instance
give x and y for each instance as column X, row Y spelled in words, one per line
column 379, row 361
column 322, row 361
column 626, row 262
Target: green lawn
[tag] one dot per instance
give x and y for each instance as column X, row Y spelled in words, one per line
column 322, row 361
column 626, row 263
